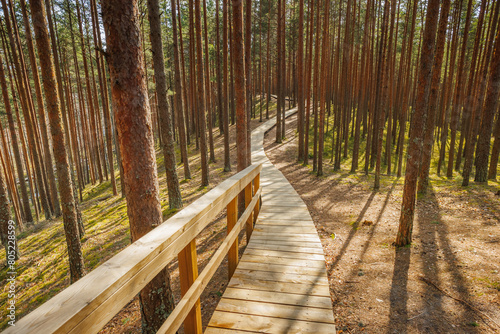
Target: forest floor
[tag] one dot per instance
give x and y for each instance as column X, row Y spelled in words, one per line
column 43, row 270
column 447, row 281
column 375, row 288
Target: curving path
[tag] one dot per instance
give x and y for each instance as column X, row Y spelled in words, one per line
column 280, row 284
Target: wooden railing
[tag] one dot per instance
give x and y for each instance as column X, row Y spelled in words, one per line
column 87, row 305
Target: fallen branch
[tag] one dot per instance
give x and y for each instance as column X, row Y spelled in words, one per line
column 481, row 313
column 418, row 315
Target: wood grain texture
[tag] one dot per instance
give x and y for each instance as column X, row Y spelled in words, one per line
column 280, row 284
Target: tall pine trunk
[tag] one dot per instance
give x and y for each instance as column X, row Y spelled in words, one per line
column 133, row 123
column 174, row 192
column 69, row 213
column 415, row 145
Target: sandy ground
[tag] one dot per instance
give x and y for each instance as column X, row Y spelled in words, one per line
column 447, row 281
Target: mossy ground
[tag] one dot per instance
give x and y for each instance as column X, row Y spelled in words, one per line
column 43, row 269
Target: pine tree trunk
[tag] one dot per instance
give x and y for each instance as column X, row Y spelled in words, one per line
column 495, row 150
column 28, row 217
column 324, row 70
column 423, row 182
column 178, row 100
column 225, row 109
column 201, row 96
column 239, row 85
column 174, row 192
column 404, row 235
column 27, row 118
column 7, row 231
column 488, row 113
column 77, row 269
column 300, row 83
column 41, row 115
column 133, row 123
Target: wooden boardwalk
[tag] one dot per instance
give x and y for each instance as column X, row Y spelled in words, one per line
column 280, row 284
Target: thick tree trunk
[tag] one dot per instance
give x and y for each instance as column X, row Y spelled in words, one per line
column 404, row 236
column 135, row 135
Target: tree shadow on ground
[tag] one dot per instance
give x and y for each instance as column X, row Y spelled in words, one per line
column 398, row 312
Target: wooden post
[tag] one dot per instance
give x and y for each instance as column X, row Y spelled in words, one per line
column 256, row 186
column 248, row 199
column 232, row 218
column 188, row 272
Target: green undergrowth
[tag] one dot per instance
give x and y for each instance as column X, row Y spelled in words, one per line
column 344, row 175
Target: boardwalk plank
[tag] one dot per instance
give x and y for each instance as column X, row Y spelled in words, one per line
column 285, row 254
column 279, row 298
column 280, row 284
column 281, row 268
column 284, row 277
column 268, row 324
column 298, row 288
column 275, row 310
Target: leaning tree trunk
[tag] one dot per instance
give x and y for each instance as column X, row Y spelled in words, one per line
column 76, row 265
column 135, row 135
column 174, row 192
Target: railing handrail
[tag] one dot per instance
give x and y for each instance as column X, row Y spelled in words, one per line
column 88, row 304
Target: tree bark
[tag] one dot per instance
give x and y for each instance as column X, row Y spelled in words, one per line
column 423, row 182
column 239, row 84
column 404, row 235
column 174, row 192
column 135, row 135
column 201, row 96
column 488, row 111
column 225, row 108
column 77, row 268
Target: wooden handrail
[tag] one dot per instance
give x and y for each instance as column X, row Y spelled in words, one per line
column 88, row 305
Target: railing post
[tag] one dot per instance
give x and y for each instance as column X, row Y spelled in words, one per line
column 248, row 199
column 256, row 186
column 232, row 218
column 188, row 272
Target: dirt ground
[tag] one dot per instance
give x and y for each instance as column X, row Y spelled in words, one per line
column 447, row 281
